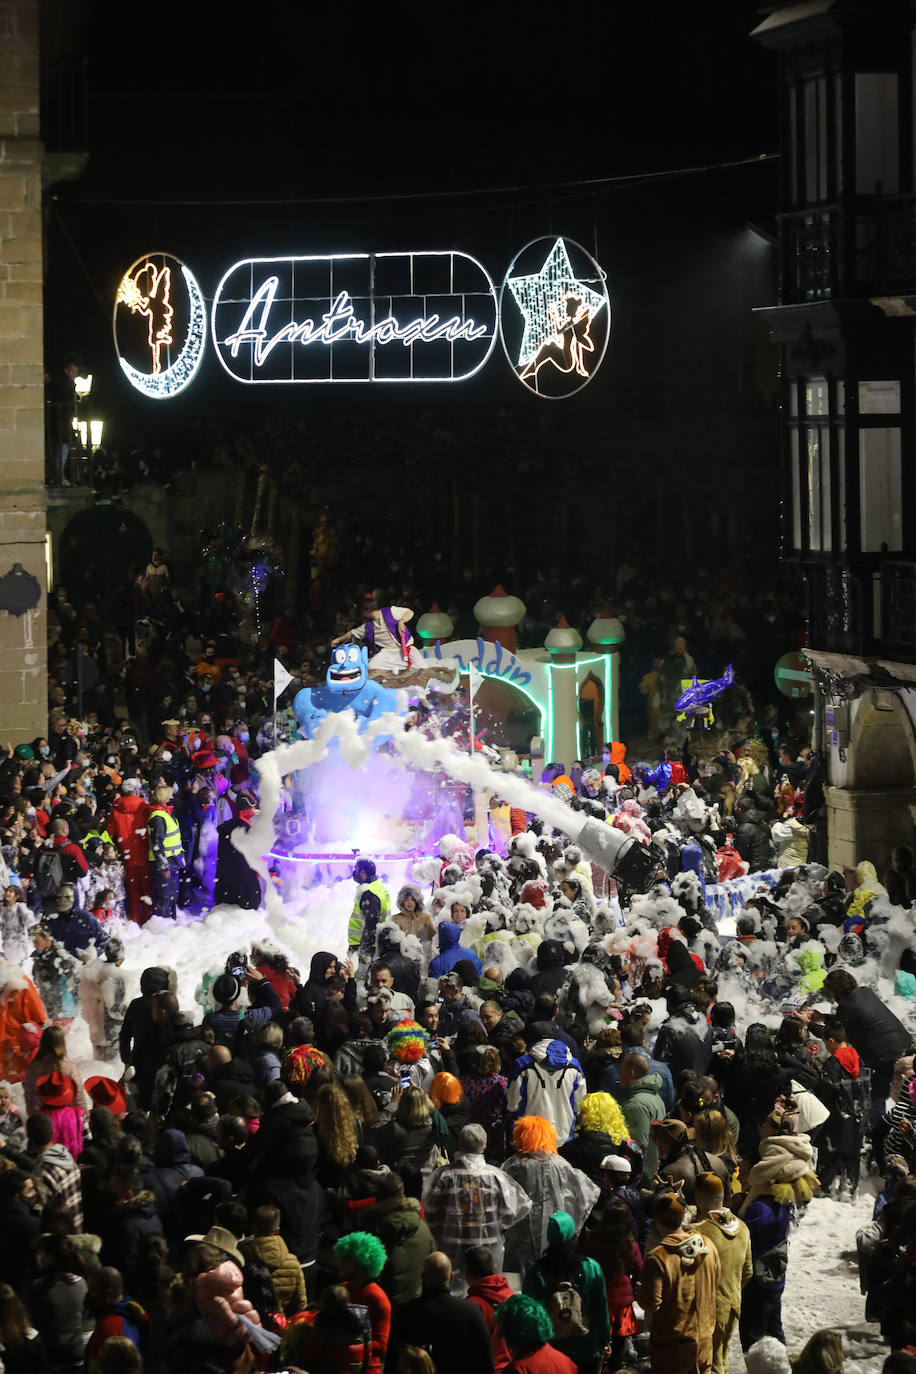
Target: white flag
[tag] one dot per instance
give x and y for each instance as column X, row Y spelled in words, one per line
column 282, row 678
column 475, row 678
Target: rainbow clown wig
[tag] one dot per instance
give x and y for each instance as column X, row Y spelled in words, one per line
column 601, row 1112
column 407, row 1042
column 532, row 1134
column 523, row 1322
column 300, row 1063
column 364, row 1250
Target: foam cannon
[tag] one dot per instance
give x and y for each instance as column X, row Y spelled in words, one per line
column 621, row 856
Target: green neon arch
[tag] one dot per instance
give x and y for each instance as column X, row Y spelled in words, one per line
column 535, row 703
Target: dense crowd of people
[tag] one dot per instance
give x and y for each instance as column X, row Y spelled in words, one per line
column 526, row 1118
column 523, row 1118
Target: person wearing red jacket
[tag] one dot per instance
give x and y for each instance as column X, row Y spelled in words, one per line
column 20, row 1007
column 488, row 1290
column 74, row 861
column 729, row 863
column 840, row 1141
column 362, row 1257
column 526, row 1328
column 116, row 1315
column 127, row 826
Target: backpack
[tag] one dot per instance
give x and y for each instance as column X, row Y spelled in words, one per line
column 49, row 872
column 566, row 1313
column 770, row 1268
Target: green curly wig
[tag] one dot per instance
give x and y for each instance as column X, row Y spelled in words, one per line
column 523, row 1322
column 363, row 1249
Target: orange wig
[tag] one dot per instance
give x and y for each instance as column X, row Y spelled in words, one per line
column 534, row 1133
column 444, row 1088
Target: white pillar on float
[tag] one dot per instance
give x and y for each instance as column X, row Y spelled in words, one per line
column 606, row 635
column 563, row 643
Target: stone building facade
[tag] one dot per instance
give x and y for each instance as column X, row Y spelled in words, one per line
column 23, row 575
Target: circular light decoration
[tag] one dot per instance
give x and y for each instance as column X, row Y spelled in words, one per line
column 160, row 325
column 554, row 317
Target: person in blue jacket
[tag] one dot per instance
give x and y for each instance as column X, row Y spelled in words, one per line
column 75, row 930
column 450, row 951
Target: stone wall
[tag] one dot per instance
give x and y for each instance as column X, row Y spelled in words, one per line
column 23, row 638
column 868, row 825
column 871, row 802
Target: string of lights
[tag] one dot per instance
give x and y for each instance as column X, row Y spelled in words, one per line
column 553, row 188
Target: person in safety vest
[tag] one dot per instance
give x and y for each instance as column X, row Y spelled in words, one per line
column 166, row 855
column 367, row 880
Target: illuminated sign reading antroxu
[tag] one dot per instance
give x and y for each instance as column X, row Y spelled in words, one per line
column 359, row 317
column 430, row 316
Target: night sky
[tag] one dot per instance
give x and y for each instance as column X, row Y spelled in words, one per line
column 292, row 102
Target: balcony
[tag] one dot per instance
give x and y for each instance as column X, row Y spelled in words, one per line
column 871, row 611
column 883, row 230
column 898, row 611
column 811, row 256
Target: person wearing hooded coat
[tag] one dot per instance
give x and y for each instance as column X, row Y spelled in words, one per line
column 780, row 1178
column 517, row 994
column 551, row 966
column 547, row 1081
column 677, row 1291
column 310, row 998
column 414, row 921
column 281, row 1160
column 405, row 971
column 685, row 1039
column 236, row 884
column 732, row 1241
column 563, row 1263
column 752, row 838
column 682, row 968
column 407, row 1239
column 871, row 1028
column 451, row 951
column 140, row 1039
column 127, row 825
column 173, row 1166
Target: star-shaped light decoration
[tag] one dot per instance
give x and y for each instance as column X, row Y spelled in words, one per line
column 542, row 298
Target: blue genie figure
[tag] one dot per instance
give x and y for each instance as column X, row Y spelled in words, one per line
column 347, row 686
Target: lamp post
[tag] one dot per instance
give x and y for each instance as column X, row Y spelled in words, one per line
column 90, row 436
column 88, row 430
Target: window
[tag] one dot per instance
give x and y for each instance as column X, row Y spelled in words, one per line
column 820, row 530
column 814, row 133
column 815, row 433
column 877, row 135
column 795, row 496
column 880, row 493
column 879, row 398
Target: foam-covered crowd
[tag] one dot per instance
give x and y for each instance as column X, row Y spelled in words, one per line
column 523, row 1119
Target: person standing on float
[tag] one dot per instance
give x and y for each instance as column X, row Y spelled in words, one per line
column 386, row 636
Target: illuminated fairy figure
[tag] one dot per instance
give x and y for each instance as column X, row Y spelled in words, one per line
column 147, row 291
column 570, row 341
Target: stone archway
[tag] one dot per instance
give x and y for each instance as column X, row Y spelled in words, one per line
column 508, row 715
column 98, row 549
column 875, row 810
